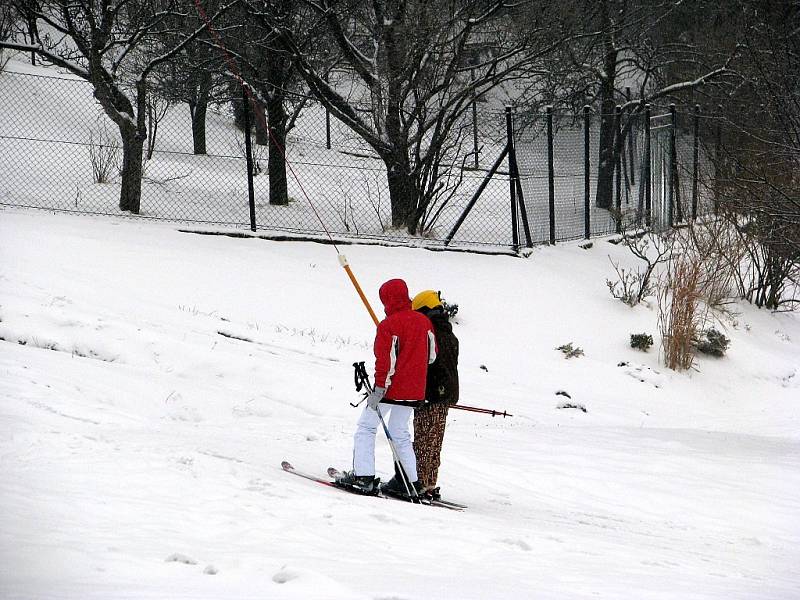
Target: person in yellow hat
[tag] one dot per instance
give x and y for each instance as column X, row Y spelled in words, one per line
column 440, row 392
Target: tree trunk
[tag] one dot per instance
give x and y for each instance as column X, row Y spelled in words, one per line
column 199, row 128
column 402, row 191
column 278, row 190
column 198, row 108
column 259, row 118
column 605, row 168
column 133, row 131
column 235, row 90
column 132, row 150
column 33, row 33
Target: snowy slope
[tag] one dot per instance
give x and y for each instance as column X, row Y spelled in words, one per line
column 140, row 440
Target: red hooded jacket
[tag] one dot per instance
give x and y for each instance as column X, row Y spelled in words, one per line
column 404, row 345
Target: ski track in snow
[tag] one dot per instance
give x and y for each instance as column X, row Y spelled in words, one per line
column 151, row 469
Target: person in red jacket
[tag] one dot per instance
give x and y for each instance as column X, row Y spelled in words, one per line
column 404, row 347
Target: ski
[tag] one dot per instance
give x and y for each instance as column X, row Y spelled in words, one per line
column 287, row 466
column 332, row 473
column 449, row 504
column 430, row 502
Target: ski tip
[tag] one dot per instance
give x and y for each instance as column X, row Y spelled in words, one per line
column 287, row 466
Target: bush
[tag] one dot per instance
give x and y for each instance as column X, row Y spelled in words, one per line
column 630, row 287
column 633, row 285
column 569, row 351
column 641, row 341
column 104, row 153
column 710, row 341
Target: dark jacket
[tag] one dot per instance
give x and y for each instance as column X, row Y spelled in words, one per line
column 442, row 384
column 404, row 345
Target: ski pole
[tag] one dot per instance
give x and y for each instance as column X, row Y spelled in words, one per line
column 410, row 489
column 486, row 411
column 360, row 374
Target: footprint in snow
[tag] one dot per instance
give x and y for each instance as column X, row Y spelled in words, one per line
column 258, row 485
column 285, row 575
column 184, row 413
column 501, row 502
column 644, row 374
column 521, row 544
column 180, row 558
column 384, row 518
column 255, row 407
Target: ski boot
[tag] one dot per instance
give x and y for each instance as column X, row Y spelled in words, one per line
column 395, row 487
column 431, row 494
column 362, row 484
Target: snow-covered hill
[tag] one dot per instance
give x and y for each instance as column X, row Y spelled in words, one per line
column 151, row 381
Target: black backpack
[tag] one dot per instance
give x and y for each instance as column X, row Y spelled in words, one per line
column 442, row 382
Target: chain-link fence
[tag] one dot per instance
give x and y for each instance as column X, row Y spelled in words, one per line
column 63, row 153
column 657, row 171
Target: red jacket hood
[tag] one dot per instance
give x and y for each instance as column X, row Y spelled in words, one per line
column 394, row 295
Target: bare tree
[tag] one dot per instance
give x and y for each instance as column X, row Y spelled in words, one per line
column 8, row 22
column 653, row 47
column 103, row 43
column 194, row 76
column 409, row 64
column 757, row 153
column 268, row 67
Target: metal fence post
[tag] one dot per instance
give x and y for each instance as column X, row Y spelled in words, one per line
column 696, row 158
column 248, row 147
column 617, row 146
column 587, row 225
column 327, row 129
column 717, row 154
column 648, row 179
column 673, row 163
column 551, row 190
column 676, row 170
column 474, row 122
column 327, row 121
column 512, row 184
column 631, row 144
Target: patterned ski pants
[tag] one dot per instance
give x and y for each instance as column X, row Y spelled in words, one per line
column 429, row 424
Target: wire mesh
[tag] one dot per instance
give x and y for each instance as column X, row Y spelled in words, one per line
column 64, row 153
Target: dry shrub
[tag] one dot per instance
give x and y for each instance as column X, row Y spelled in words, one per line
column 696, row 288
column 259, row 153
column 721, row 252
column 104, row 153
column 633, row 285
column 680, row 314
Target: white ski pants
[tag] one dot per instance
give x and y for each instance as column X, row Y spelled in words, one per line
column 366, row 430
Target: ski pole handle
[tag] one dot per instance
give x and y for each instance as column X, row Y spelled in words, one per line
column 361, row 381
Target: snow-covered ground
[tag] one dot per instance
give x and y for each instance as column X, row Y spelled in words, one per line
column 141, row 441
